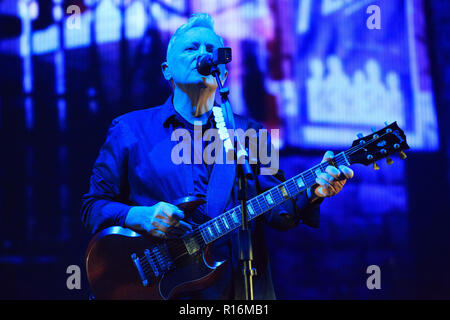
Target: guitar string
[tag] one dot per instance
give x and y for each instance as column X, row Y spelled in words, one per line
column 259, row 202
column 307, row 174
column 289, row 183
column 278, row 199
column 255, row 202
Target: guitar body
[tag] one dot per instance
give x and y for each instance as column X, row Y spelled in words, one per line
column 114, row 274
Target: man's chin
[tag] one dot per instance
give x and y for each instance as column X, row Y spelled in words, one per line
column 203, row 83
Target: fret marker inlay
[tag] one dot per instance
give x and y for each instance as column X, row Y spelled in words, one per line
column 284, row 192
column 225, row 223
column 269, row 199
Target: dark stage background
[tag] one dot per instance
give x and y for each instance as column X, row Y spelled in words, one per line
column 314, row 69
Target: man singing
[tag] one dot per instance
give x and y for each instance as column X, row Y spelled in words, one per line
column 135, row 182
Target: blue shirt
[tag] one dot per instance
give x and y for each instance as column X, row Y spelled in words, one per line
column 134, row 168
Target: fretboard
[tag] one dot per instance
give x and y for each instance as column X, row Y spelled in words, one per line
column 232, row 219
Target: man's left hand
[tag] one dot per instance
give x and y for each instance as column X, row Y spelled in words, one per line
column 331, row 181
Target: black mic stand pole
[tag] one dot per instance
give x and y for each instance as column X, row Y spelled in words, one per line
column 244, row 172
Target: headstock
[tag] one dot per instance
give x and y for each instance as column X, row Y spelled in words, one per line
column 378, row 145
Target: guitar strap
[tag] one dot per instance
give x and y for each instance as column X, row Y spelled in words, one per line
column 221, row 181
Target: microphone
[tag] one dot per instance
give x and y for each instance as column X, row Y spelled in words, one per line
column 207, row 63
column 204, row 64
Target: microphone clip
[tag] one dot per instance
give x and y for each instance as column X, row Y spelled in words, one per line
column 207, row 64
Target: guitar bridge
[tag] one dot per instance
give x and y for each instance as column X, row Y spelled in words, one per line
column 141, row 272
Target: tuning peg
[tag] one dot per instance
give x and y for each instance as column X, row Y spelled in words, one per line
column 386, row 123
column 360, row 135
column 373, row 129
column 389, row 161
column 375, row 166
column 403, row 155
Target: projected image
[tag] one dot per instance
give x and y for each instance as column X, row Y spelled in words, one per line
column 351, row 77
column 338, row 98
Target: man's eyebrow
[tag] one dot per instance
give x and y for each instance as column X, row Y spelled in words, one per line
column 192, row 43
column 196, row 43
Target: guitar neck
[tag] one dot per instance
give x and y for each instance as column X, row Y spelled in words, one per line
column 232, row 219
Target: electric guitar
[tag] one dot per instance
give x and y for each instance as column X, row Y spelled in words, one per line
column 122, row 264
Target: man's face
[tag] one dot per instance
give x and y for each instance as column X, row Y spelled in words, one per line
column 184, row 53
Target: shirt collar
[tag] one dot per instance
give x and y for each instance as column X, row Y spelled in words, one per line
column 171, row 117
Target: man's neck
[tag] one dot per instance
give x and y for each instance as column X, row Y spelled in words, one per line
column 193, row 104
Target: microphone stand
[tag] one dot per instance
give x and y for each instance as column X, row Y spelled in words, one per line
column 244, row 173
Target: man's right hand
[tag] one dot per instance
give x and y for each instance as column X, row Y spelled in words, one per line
column 161, row 220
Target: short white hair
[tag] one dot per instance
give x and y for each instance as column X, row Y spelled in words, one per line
column 203, row 20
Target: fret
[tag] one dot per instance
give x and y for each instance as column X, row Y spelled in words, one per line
column 344, row 155
column 217, row 226
column 224, row 219
column 223, row 224
column 234, row 216
column 250, row 210
column 257, row 205
column 261, row 203
column 341, row 159
column 238, row 215
column 272, row 193
column 309, row 179
column 281, row 191
column 230, row 220
column 263, row 199
column 290, row 188
column 317, row 172
column 202, row 233
column 333, row 162
column 276, row 194
column 284, row 191
column 293, row 189
column 210, row 231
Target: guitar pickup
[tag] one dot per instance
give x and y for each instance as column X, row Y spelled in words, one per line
column 191, row 245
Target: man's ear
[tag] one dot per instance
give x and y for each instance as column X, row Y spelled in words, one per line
column 166, row 71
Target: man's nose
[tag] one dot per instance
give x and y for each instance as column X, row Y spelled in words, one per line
column 202, row 50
